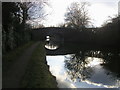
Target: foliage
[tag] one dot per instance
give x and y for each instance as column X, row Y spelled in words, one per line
column 36, row 13
column 15, row 30
column 10, row 57
column 108, row 35
column 38, row 74
column 77, row 15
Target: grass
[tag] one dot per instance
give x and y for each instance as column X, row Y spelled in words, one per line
column 9, row 58
column 37, row 74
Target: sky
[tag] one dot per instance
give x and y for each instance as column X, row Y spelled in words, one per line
column 119, row 8
column 99, row 11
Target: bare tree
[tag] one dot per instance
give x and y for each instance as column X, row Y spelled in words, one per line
column 77, row 15
column 33, row 10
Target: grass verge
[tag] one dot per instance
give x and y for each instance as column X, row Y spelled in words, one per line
column 37, row 74
column 9, row 58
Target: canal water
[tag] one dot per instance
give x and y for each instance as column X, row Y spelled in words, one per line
column 91, row 75
column 83, row 69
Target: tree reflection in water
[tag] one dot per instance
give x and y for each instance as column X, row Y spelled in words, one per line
column 77, row 68
column 113, row 63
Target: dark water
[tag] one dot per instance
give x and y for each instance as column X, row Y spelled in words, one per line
column 77, row 68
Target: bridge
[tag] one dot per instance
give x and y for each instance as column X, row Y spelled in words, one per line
column 59, row 33
column 86, row 39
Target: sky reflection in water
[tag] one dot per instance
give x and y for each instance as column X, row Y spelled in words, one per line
column 98, row 79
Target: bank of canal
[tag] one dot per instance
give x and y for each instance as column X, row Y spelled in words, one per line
column 26, row 67
column 37, row 74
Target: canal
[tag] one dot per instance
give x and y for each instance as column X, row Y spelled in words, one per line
column 78, row 68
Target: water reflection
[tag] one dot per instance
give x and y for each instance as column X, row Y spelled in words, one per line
column 57, row 69
column 90, row 70
column 50, row 44
column 83, row 70
column 78, row 68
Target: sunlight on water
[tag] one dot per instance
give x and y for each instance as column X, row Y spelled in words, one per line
column 94, row 61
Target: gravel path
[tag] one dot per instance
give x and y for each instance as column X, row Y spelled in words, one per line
column 12, row 78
